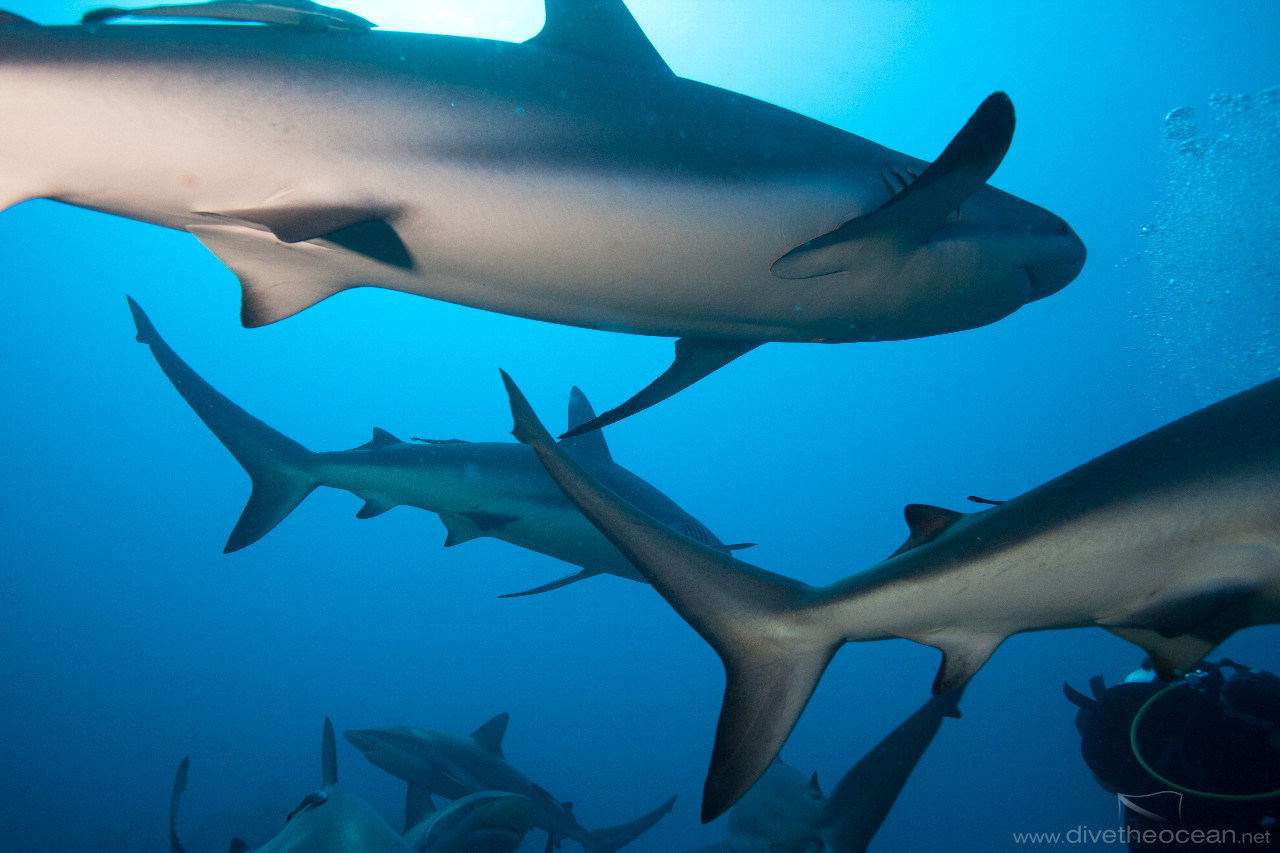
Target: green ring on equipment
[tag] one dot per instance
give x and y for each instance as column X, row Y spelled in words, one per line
column 1133, row 746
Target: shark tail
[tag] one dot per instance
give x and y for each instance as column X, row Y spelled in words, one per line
column 613, row 838
column 278, row 467
column 762, row 624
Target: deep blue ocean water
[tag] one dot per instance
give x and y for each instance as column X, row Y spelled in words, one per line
column 127, row 639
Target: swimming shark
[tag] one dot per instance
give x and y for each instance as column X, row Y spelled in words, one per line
column 785, row 812
column 329, row 820
column 483, row 822
column 478, row 489
column 452, row 765
column 572, row 178
column 1171, row 542
column 332, row 820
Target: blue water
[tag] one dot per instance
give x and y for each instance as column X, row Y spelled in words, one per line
column 127, row 640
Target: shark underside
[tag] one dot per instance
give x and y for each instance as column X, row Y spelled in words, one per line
column 572, row 178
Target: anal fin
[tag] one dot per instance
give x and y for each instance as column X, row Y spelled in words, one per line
column 695, row 359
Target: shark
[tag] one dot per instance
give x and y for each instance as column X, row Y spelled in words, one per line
column 785, row 812
column 493, row 489
column 333, row 820
column 329, row 820
column 1171, row 541
column 452, row 766
column 573, row 178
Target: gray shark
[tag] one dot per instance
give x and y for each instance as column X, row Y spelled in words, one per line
column 452, row 766
column 483, row 822
column 478, row 489
column 786, row 813
column 571, row 178
column 329, row 820
column 1171, row 541
column 332, row 820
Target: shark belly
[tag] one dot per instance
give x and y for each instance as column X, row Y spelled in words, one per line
column 523, row 188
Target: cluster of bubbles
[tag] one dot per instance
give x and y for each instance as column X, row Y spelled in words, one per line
column 1212, row 247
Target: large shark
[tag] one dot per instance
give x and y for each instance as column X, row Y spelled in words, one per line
column 1171, row 541
column 452, row 765
column 478, row 489
column 333, row 820
column 572, row 178
column 785, row 812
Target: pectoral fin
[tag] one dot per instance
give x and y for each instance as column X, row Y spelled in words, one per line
column 695, row 359
column 555, row 584
column 912, row 215
column 300, row 14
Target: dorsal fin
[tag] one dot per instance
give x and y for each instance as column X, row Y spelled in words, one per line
column 489, row 736
column 8, row 19
column 926, row 523
column 813, row 784
column 381, row 438
column 602, row 30
column 589, row 443
column 328, row 757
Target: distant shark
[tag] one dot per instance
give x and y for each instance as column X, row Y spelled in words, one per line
column 478, row 489
column 572, row 178
column 785, row 812
column 332, row 820
column 451, row 766
column 1171, row 541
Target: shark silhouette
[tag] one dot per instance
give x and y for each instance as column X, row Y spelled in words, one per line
column 478, row 489
column 784, row 811
column 451, row 766
column 1171, row 541
column 572, row 178
column 332, row 820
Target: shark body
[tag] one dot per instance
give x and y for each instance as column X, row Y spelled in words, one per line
column 1171, row 541
column 333, row 820
column 494, row 489
column 572, row 178
column 449, row 765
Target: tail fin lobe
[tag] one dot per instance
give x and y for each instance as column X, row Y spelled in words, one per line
column 613, row 838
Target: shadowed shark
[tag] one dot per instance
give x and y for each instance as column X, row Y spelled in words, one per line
column 332, row 820
column 786, row 813
column 478, row 489
column 572, row 178
column 1171, row 541
column 451, row 766
column 329, row 820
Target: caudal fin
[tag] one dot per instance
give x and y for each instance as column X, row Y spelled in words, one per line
column 179, row 785
column 278, row 466
column 773, row 647
column 613, row 838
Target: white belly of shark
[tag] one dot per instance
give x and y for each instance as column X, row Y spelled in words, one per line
column 571, row 178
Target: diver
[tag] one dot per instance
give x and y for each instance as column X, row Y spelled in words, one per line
column 1194, row 764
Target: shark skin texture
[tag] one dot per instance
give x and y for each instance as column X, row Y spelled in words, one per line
column 1171, row 541
column 494, row 489
column 572, row 178
column 449, row 765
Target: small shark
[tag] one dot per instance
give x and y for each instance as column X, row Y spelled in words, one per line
column 1171, row 541
column 572, row 178
column 330, row 820
column 483, row 822
column 786, row 813
column 452, row 766
column 478, row 489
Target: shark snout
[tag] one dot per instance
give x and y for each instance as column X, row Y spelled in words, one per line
column 1059, row 259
